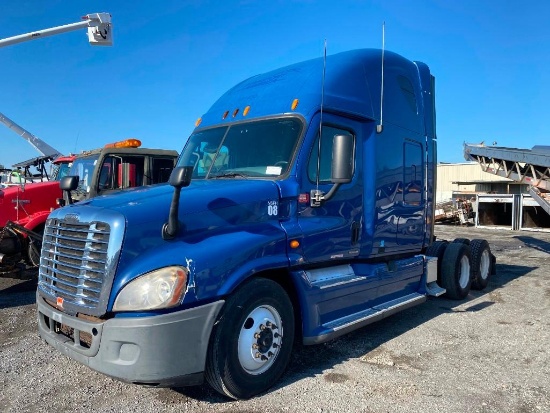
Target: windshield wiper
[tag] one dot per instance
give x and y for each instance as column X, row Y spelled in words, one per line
column 229, row 175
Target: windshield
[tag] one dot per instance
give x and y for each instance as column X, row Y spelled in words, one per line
column 84, row 169
column 60, row 170
column 254, row 149
column 3, row 178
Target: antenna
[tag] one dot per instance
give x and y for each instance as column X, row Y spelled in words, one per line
column 380, row 126
column 321, row 116
column 76, row 141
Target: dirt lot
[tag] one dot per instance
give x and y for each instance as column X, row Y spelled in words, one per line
column 489, row 353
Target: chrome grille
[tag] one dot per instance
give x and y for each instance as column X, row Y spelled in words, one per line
column 73, row 263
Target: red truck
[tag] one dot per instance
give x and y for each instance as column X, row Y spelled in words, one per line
column 24, row 208
column 22, row 200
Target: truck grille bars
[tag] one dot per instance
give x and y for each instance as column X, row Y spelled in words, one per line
column 73, row 263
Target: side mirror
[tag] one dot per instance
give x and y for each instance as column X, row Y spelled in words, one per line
column 341, row 171
column 342, row 159
column 68, row 184
column 181, row 176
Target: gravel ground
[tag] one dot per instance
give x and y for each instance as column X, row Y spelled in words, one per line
column 488, row 353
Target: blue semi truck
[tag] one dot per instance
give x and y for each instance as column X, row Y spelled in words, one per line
column 300, row 210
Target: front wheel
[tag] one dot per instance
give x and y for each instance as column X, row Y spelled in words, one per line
column 252, row 340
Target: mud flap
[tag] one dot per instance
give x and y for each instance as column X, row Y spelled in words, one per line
column 493, row 270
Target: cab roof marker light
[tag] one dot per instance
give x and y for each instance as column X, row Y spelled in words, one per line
column 294, row 104
column 246, row 110
column 225, row 114
column 198, row 122
column 127, row 143
column 235, row 112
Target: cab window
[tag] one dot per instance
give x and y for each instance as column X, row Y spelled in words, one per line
column 325, row 161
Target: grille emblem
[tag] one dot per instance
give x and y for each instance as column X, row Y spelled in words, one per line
column 72, row 218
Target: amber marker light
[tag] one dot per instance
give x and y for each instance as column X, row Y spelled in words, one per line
column 246, row 110
column 235, row 112
column 225, row 114
column 294, row 244
column 198, row 122
column 294, row 104
column 127, row 143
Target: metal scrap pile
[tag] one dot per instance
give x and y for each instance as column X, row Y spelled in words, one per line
column 454, row 211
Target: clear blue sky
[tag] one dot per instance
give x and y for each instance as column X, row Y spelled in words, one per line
column 172, row 59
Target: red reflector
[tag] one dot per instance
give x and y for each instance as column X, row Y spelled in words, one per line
column 59, row 302
column 303, row 199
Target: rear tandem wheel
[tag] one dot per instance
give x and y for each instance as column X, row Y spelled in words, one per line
column 455, row 270
column 437, row 249
column 481, row 263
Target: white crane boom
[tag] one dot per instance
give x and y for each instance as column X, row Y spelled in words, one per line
column 36, row 142
column 99, row 31
column 99, row 34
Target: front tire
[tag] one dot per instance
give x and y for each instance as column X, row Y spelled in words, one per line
column 252, row 340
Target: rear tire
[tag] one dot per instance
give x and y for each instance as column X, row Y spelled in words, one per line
column 252, row 340
column 464, row 241
column 481, row 263
column 455, row 271
column 10, row 243
column 437, row 249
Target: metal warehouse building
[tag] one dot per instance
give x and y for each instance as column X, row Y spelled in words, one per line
column 455, row 180
column 498, row 202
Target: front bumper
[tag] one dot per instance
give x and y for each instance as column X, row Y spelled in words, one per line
column 162, row 350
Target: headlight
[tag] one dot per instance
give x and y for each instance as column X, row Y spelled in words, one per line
column 163, row 288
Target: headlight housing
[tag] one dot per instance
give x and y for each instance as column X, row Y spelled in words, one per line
column 162, row 288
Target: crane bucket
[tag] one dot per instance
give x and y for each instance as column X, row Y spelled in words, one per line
column 100, row 29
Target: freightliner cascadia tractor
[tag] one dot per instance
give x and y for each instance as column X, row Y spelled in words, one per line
column 296, row 214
